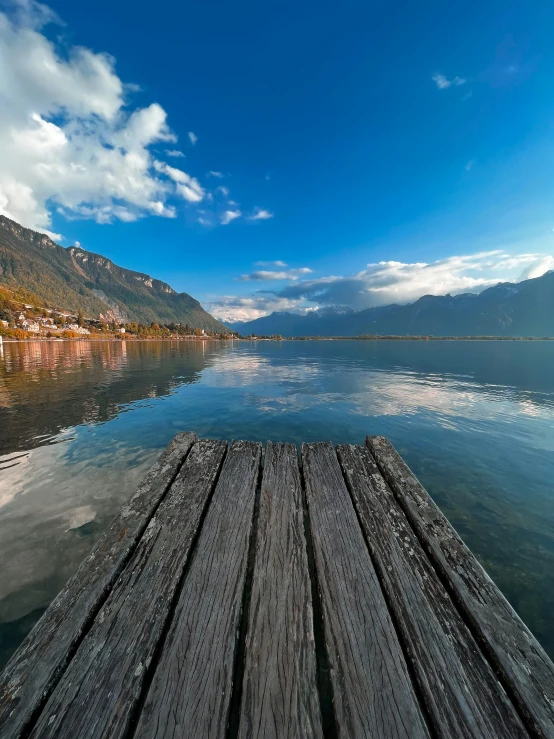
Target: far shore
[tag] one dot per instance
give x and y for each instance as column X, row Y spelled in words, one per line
column 134, row 339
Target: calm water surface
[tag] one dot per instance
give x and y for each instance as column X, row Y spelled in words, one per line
column 80, row 423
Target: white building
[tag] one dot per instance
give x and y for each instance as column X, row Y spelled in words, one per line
column 31, row 326
column 78, row 329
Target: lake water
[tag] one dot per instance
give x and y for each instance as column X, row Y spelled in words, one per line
column 80, row 423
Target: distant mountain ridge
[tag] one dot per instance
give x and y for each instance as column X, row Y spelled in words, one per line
column 507, row 309
column 75, row 279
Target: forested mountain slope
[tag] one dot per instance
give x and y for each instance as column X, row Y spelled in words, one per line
column 75, row 279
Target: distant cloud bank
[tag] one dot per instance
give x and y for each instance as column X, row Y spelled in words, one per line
column 381, row 283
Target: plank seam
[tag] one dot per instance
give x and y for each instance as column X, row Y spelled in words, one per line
column 469, row 621
column 235, row 702
column 324, row 684
column 151, row 671
column 431, row 725
column 28, row 728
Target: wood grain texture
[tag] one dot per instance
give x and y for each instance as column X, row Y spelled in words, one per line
column 191, row 689
column 279, row 699
column 35, row 668
column 372, row 690
column 462, row 694
column 100, row 689
column 524, row 668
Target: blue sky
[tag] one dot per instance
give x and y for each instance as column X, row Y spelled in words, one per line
column 418, row 141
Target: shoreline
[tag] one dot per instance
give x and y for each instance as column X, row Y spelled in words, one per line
column 133, row 339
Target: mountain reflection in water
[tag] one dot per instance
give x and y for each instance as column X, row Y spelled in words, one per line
column 81, row 422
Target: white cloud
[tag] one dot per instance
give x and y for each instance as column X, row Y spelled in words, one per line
column 233, row 308
column 223, row 190
column 537, row 268
column 278, row 263
column 33, row 14
column 265, row 275
column 443, row 83
column 229, row 216
column 68, row 140
column 193, row 138
column 212, row 173
column 469, row 165
column 261, row 215
column 188, row 187
column 174, row 153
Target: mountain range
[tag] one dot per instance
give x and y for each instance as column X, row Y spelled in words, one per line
column 507, row 309
column 74, row 279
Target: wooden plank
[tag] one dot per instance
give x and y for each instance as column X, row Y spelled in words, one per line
column 372, row 691
column 191, row 690
column 279, row 696
column 524, row 668
column 35, row 668
column 100, row 689
column 461, row 692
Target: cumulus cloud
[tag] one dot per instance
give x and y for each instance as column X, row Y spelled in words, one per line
column 278, row 263
column 228, row 216
column 212, row 173
column 193, row 138
column 68, row 140
column 443, row 83
column 261, row 215
column 263, row 275
column 223, row 190
column 174, row 153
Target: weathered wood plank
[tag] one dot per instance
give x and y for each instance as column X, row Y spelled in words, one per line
column 372, row 691
column 279, row 698
column 101, row 687
column 35, row 668
column 525, row 669
column 461, row 692
column 191, row 689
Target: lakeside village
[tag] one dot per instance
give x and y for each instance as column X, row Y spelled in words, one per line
column 24, row 320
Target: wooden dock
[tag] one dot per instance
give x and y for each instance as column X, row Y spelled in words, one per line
column 248, row 592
